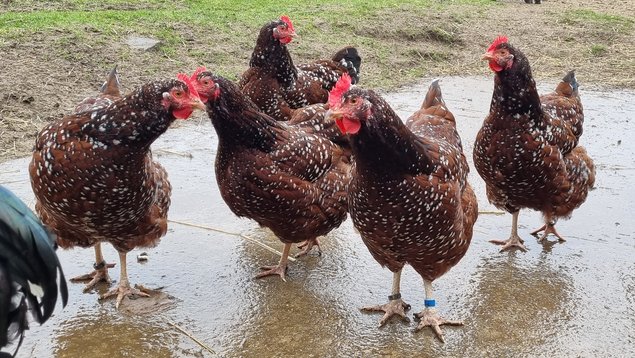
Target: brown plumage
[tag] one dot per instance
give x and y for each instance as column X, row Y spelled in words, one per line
column 277, row 86
column 527, row 150
column 292, row 182
column 94, row 178
column 312, row 119
column 409, row 197
column 109, row 92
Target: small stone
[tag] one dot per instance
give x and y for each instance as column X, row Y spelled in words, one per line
column 142, row 257
column 142, row 43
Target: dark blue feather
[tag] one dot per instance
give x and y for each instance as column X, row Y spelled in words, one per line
column 27, row 257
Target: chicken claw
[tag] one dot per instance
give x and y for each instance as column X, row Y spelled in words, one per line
column 99, row 275
column 394, row 307
column 308, row 246
column 279, row 270
column 124, row 290
column 429, row 318
column 513, row 241
column 549, row 228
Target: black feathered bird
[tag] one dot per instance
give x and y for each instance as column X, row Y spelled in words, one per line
column 28, row 270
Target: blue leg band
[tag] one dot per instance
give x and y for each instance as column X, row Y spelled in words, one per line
column 429, row 303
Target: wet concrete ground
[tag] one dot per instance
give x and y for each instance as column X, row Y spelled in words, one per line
column 570, row 299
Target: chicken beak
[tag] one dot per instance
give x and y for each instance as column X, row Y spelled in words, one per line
column 198, row 104
column 488, row 56
column 345, row 125
column 333, row 114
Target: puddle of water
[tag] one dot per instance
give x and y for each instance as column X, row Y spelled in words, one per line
column 571, row 299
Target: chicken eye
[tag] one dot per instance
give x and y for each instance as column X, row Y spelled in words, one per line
column 178, row 94
column 354, row 100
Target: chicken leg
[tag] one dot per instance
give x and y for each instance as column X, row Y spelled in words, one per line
column 549, row 228
column 396, row 306
column 99, row 275
column 429, row 317
column 123, row 289
column 279, row 269
column 514, row 240
column 308, row 246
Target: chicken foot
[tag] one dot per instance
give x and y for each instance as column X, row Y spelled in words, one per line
column 549, row 228
column 124, row 289
column 429, row 317
column 514, row 240
column 308, row 246
column 100, row 274
column 280, row 269
column 395, row 307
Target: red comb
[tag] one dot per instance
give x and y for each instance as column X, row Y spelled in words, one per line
column 499, row 40
column 198, row 71
column 190, row 86
column 287, row 21
column 342, row 85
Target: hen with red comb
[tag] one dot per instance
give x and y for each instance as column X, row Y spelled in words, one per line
column 280, row 176
column 279, row 87
column 409, row 197
column 94, row 178
column 527, row 150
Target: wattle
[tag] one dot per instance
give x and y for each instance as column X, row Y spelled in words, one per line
column 285, row 40
column 348, row 126
column 183, row 113
column 495, row 66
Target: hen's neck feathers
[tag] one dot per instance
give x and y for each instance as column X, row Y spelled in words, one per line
column 273, row 57
column 239, row 122
column 515, row 90
column 384, row 145
column 137, row 119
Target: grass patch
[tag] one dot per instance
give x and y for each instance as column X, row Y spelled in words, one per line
column 585, row 16
column 441, row 35
column 598, row 50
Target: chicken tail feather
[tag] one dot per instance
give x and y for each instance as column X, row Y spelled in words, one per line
column 349, row 58
column 111, row 85
column 570, row 79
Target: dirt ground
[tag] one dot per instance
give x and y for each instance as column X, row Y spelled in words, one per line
column 43, row 77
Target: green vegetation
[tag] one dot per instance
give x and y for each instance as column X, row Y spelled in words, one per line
column 598, row 50
column 585, row 16
column 218, row 31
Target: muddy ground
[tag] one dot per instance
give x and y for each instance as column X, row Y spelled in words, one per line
column 572, row 299
column 43, row 75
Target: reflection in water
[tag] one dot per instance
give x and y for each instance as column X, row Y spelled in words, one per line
column 516, row 306
column 99, row 334
column 288, row 317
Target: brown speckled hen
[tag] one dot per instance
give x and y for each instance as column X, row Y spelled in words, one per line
column 527, row 150
column 94, row 178
column 409, row 197
column 277, row 86
column 292, row 182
